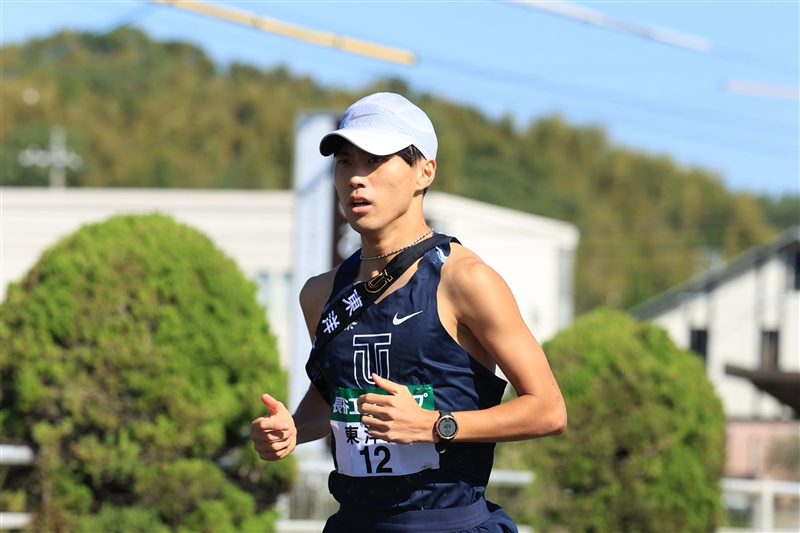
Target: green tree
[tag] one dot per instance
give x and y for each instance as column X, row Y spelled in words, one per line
column 644, row 448
column 782, row 212
column 134, row 357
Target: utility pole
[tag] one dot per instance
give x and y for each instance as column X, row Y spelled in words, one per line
column 59, row 157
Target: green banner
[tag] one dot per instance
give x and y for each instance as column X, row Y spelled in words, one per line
column 345, row 408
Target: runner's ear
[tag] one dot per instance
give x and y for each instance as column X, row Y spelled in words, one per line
column 427, row 171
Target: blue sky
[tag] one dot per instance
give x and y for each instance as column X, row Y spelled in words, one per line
column 503, row 58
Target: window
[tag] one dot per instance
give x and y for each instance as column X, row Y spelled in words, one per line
column 797, row 270
column 698, row 342
column 769, row 350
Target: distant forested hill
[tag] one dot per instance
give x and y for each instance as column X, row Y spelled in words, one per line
column 143, row 113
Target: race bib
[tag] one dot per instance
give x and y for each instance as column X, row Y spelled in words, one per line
column 359, row 455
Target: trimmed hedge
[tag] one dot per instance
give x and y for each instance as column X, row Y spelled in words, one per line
column 133, row 359
column 644, row 449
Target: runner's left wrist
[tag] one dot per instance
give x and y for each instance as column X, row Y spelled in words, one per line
column 430, row 430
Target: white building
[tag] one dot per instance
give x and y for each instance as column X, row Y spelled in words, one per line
column 257, row 230
column 744, row 320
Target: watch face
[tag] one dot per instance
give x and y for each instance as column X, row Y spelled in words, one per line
column 447, row 427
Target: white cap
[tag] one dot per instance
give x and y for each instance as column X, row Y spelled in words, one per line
column 383, row 124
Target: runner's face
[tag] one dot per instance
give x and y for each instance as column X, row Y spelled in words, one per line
column 375, row 190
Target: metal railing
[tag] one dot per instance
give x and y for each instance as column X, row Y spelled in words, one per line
column 755, row 502
column 306, row 507
column 755, row 499
column 21, row 456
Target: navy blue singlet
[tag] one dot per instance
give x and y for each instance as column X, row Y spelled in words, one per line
column 402, row 339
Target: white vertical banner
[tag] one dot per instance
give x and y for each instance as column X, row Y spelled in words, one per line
column 313, row 187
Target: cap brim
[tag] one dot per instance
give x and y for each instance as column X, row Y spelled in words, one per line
column 371, row 141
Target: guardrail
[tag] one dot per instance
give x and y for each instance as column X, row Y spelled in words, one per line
column 313, row 475
column 758, row 496
column 15, row 455
column 306, row 507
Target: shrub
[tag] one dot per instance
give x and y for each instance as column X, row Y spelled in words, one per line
column 133, row 359
column 644, row 448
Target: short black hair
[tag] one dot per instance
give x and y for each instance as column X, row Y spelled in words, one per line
column 411, row 154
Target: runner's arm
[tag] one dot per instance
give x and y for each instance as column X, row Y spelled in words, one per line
column 473, row 298
column 486, row 311
column 312, row 417
column 276, row 434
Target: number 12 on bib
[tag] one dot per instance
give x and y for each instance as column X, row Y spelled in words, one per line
column 358, row 454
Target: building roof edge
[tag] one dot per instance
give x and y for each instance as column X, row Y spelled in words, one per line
column 702, row 282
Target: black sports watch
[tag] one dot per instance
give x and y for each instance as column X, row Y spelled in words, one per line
column 445, row 428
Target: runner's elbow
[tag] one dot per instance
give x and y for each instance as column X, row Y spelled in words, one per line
column 546, row 419
column 560, row 424
column 557, row 419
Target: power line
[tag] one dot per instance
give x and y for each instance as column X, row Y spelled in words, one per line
column 666, row 36
column 385, row 53
column 702, row 117
column 755, row 60
column 731, row 141
column 596, row 18
column 614, row 97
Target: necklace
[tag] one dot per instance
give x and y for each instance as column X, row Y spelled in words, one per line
column 399, row 249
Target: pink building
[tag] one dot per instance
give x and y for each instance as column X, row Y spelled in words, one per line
column 757, row 448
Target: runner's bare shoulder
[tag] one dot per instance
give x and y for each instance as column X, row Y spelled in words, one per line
column 314, row 294
column 467, row 281
column 460, row 267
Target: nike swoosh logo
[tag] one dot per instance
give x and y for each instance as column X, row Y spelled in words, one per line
column 356, row 117
column 397, row 321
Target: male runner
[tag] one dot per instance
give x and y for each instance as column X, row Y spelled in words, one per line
column 412, row 401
